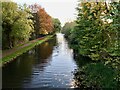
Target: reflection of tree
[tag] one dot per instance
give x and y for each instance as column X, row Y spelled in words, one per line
column 81, row 60
column 15, row 72
column 44, row 51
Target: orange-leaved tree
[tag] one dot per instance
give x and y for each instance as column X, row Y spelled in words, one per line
column 43, row 21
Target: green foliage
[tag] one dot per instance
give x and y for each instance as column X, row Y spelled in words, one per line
column 97, row 31
column 67, row 28
column 114, row 46
column 89, row 29
column 56, row 25
column 16, row 24
column 96, row 76
column 96, row 35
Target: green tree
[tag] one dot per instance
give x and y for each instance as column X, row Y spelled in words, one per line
column 67, row 28
column 42, row 21
column 97, row 35
column 95, row 76
column 56, row 25
column 113, row 47
column 17, row 25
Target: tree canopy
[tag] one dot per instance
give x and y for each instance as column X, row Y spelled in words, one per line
column 15, row 23
column 43, row 21
column 96, row 35
column 23, row 23
column 97, row 30
column 56, row 24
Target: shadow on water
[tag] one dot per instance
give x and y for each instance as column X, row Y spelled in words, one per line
column 44, row 51
column 81, row 60
column 21, row 69
column 48, row 65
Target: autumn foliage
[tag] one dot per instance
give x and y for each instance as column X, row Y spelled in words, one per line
column 46, row 25
column 44, row 20
column 24, row 23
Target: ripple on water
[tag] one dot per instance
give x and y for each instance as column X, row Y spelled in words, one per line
column 55, row 71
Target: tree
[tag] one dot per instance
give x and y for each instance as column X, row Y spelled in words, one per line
column 56, row 25
column 46, row 25
column 34, row 9
column 96, row 36
column 67, row 28
column 17, row 25
column 113, row 47
column 42, row 21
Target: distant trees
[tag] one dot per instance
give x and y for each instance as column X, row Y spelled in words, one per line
column 56, row 24
column 68, row 28
column 46, row 25
column 16, row 25
column 23, row 23
column 42, row 21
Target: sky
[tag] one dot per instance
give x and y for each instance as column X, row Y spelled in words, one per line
column 64, row 10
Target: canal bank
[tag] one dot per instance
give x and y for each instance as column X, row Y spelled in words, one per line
column 10, row 55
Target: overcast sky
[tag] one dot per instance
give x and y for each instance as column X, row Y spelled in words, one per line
column 62, row 9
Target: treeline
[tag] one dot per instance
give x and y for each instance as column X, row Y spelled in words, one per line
column 23, row 23
column 96, row 35
column 68, row 28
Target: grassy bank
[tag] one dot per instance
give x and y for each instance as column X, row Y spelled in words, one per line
column 19, row 52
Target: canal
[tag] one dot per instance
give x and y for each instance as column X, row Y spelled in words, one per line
column 48, row 65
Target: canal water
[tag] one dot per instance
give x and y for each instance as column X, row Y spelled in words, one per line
column 49, row 65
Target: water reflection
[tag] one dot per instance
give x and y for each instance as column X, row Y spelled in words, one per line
column 47, row 65
column 14, row 73
column 21, row 69
column 81, row 60
column 44, row 51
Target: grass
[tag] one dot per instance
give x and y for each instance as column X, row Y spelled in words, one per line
column 12, row 56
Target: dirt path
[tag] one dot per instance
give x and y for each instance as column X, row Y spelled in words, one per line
column 13, row 50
